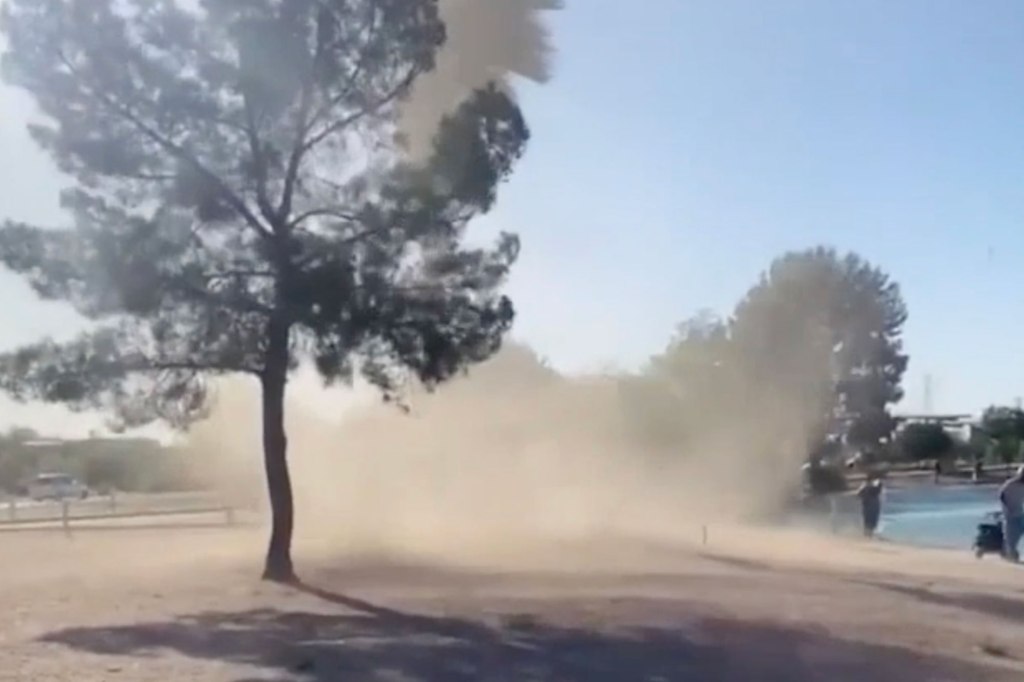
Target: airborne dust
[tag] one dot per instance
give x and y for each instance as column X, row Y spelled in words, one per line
column 487, row 41
column 510, row 457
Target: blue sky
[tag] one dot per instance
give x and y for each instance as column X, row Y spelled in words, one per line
column 683, row 144
column 681, row 147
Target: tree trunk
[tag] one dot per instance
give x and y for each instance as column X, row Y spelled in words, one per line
column 278, row 566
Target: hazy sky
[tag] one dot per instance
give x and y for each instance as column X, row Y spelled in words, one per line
column 685, row 143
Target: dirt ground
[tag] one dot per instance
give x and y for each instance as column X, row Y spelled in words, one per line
column 152, row 605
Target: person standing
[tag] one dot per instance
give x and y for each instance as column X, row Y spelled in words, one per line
column 870, row 494
column 1011, row 502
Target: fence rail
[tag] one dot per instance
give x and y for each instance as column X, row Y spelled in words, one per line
column 16, row 512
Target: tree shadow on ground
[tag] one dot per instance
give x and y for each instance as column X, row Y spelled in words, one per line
column 997, row 606
column 357, row 640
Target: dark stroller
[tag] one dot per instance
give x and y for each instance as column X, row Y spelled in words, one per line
column 989, row 539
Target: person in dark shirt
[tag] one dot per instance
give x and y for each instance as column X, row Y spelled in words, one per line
column 870, row 494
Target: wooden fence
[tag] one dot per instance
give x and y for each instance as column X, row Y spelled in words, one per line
column 24, row 513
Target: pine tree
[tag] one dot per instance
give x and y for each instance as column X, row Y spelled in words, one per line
column 241, row 202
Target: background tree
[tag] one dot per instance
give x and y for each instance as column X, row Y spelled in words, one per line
column 1005, row 427
column 104, row 464
column 241, row 202
column 20, row 434
column 919, row 442
column 687, row 392
column 811, row 354
column 820, row 336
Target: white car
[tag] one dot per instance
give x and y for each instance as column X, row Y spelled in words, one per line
column 57, row 487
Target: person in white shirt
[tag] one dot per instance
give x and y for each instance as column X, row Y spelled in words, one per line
column 1011, row 500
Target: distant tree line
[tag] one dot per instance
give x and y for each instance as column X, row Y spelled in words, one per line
column 919, row 442
column 105, row 465
column 1004, row 429
column 997, row 439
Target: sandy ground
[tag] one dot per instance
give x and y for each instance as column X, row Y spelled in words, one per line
column 166, row 604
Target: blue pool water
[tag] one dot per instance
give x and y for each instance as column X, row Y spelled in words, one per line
column 927, row 516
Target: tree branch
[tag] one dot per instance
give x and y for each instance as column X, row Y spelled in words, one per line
column 301, row 126
column 259, row 163
column 348, row 241
column 325, row 211
column 140, row 364
column 231, row 274
column 204, row 295
column 146, row 177
column 191, row 366
column 338, row 126
column 371, row 30
column 176, row 150
column 305, row 144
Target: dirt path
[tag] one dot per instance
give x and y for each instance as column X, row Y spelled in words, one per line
column 750, row 606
